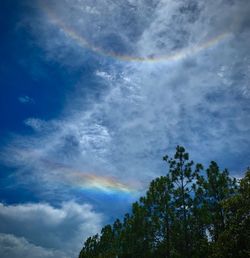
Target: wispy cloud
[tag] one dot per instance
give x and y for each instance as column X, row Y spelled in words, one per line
column 26, row 99
column 199, row 100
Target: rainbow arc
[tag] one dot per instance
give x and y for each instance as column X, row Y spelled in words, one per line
column 174, row 56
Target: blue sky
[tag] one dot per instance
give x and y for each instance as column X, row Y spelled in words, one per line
column 94, row 93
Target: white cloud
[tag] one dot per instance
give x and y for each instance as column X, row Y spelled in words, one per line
column 34, row 123
column 25, row 99
column 40, row 230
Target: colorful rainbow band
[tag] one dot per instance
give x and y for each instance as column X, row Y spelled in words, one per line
column 83, row 42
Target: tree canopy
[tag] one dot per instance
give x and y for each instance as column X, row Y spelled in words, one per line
column 191, row 212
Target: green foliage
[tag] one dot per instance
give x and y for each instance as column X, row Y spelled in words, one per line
column 187, row 213
column 234, row 240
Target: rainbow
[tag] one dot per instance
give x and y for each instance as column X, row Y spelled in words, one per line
column 86, row 180
column 103, row 184
column 84, row 43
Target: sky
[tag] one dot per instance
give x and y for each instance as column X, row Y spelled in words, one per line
column 94, row 93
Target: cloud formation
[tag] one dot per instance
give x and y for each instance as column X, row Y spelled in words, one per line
column 40, row 230
column 146, row 109
column 117, row 126
column 17, row 247
column 25, row 99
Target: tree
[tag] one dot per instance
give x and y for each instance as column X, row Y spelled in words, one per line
column 160, row 214
column 187, row 213
column 182, row 174
column 106, row 245
column 218, row 187
column 234, row 240
column 91, row 248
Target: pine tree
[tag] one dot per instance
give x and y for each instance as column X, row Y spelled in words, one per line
column 160, row 214
column 234, row 240
column 182, row 174
column 188, row 213
column 218, row 187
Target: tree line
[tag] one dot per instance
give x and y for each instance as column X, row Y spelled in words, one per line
column 191, row 212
